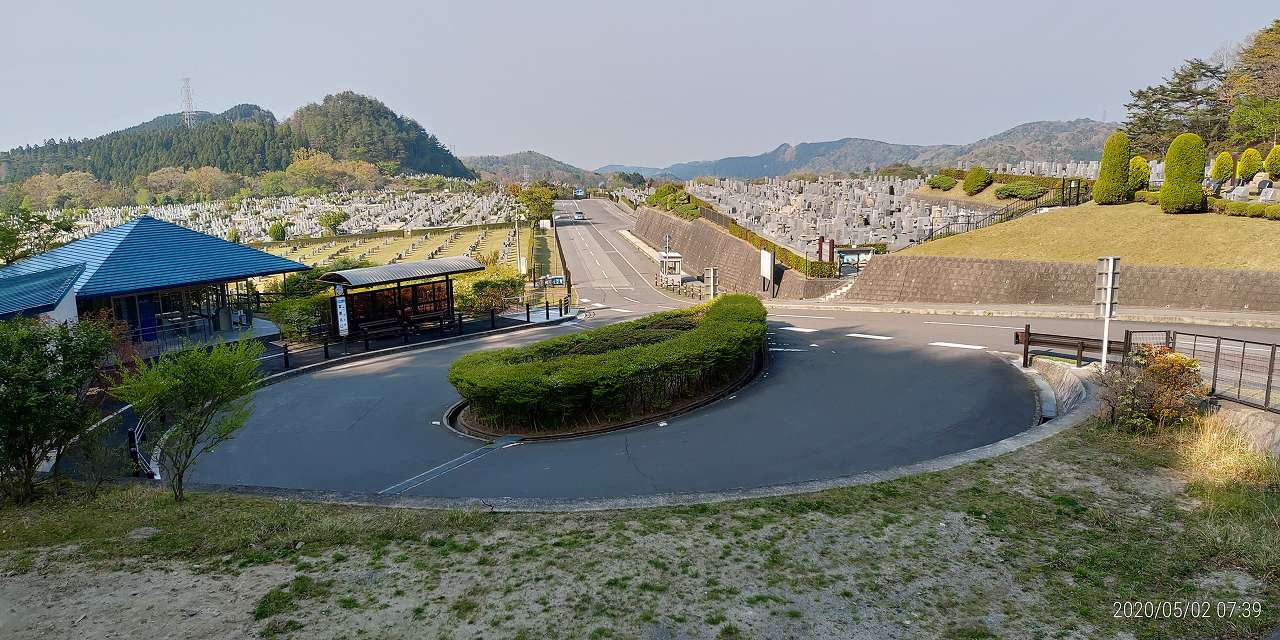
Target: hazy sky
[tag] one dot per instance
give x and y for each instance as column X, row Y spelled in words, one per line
column 590, row 83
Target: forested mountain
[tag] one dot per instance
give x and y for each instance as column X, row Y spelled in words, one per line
column 530, row 166
column 1045, row 140
column 647, row 172
column 245, row 139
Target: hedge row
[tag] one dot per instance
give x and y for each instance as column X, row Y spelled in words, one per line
column 941, row 183
column 977, row 179
column 609, row 373
column 1244, row 209
column 811, row 268
column 1022, row 190
column 1006, row 178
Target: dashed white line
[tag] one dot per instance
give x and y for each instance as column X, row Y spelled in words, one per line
column 966, row 324
column 781, row 349
column 868, row 336
column 956, row 345
column 621, row 310
column 798, row 329
column 780, row 315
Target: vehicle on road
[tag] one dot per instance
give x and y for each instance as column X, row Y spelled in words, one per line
column 579, row 215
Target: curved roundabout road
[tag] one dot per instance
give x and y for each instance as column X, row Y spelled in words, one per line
column 842, row 395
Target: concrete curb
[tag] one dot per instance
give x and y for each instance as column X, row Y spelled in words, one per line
column 1067, row 419
column 1132, row 316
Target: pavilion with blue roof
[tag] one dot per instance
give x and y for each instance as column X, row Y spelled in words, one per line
column 163, row 279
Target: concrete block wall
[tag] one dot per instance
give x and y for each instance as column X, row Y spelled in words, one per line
column 703, row 244
column 899, row 278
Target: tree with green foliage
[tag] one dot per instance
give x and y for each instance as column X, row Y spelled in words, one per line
column 233, row 235
column 331, row 220
column 1272, row 164
column 1139, row 175
column 192, row 401
column 538, row 201
column 1112, row 186
column 1250, row 164
column 278, row 230
column 1183, row 173
column 24, row 232
column 1224, row 166
column 1190, row 100
column 977, row 179
column 1253, row 85
column 48, row 369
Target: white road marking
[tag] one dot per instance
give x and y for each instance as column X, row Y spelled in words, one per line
column 632, row 300
column 584, row 299
column 622, row 310
column 781, row 349
column 596, row 304
column 966, row 324
column 798, row 329
column 779, row 315
column 956, row 345
column 868, row 336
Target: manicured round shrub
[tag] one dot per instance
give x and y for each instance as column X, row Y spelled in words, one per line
column 1250, row 164
column 1139, row 174
column 1272, row 164
column 1183, row 173
column 1273, row 212
column 1112, row 186
column 1224, row 166
column 1257, row 210
column 611, row 372
column 977, row 179
column 1218, row 205
column 1237, row 208
column 941, row 182
column 1022, row 190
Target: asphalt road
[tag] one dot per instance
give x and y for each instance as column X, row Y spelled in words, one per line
column 844, row 393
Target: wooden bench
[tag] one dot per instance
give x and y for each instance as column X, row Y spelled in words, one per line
column 382, row 328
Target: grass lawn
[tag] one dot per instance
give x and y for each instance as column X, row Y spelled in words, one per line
column 986, row 196
column 1038, row 543
column 1139, row 233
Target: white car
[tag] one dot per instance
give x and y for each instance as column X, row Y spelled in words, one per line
column 578, row 215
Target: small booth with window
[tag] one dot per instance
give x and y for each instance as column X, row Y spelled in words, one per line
column 395, row 295
column 670, row 265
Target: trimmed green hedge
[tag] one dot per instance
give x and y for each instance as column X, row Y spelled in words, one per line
column 615, row 371
column 1022, row 190
column 1250, row 164
column 1272, row 164
column 1006, row 178
column 793, row 260
column 1112, row 186
column 1139, row 174
column 941, row 182
column 1183, row 172
column 1224, row 166
column 977, row 179
column 1149, row 197
column 672, row 197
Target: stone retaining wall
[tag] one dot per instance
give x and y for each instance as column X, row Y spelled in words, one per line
column 947, row 280
column 704, row 244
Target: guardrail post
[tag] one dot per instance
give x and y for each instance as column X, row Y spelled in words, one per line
column 1026, row 346
column 442, row 326
column 493, row 319
column 1080, row 354
column 404, row 334
column 286, row 355
column 1271, row 370
column 546, row 307
column 366, row 340
column 326, row 346
column 526, row 312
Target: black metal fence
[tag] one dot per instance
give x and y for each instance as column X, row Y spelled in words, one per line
column 1064, row 196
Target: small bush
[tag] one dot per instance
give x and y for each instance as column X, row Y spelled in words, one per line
column 1224, row 166
column 941, row 183
column 1218, row 205
column 295, row 315
column 1112, row 186
column 1273, row 212
column 1250, row 164
column 1272, row 164
column 1237, row 208
column 1044, row 181
column 1139, row 174
column 977, row 179
column 1184, row 171
column 1257, row 210
column 1157, row 389
column 1021, row 190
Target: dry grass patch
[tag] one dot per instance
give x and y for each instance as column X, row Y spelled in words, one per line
column 1139, row 233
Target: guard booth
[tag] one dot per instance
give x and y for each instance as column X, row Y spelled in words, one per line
column 850, row 260
column 670, row 266
column 394, row 296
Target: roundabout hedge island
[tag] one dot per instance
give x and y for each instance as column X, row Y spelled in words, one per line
column 614, row 374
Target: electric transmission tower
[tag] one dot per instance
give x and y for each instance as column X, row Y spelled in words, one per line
column 188, row 105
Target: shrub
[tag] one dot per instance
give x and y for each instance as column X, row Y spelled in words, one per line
column 630, row 368
column 1224, row 166
column 1217, row 205
column 1022, row 190
column 672, row 197
column 295, row 315
column 1112, row 186
column 1153, row 197
column 1139, row 174
column 1257, row 210
column 1044, row 181
column 1183, row 173
column 1273, row 212
column 1272, row 164
column 1237, row 208
column 941, row 182
column 1158, row 388
column 1250, row 164
column 977, row 179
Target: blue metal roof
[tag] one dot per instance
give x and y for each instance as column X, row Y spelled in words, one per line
column 146, row 254
column 37, row 292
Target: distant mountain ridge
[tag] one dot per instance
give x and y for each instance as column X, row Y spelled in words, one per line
column 1046, row 140
column 530, row 166
column 245, row 139
column 647, row 172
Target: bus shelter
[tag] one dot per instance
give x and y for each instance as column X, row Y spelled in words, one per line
column 395, row 295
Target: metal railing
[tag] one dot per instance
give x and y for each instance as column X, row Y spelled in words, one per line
column 1059, row 197
column 1242, row 371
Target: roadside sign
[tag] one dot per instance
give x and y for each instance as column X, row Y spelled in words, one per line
column 340, row 307
column 1106, row 284
column 709, row 280
column 766, row 265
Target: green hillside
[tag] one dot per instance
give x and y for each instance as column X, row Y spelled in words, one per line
column 1137, row 232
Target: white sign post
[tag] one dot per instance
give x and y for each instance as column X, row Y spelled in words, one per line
column 709, row 280
column 340, row 309
column 1106, row 283
column 766, row 269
